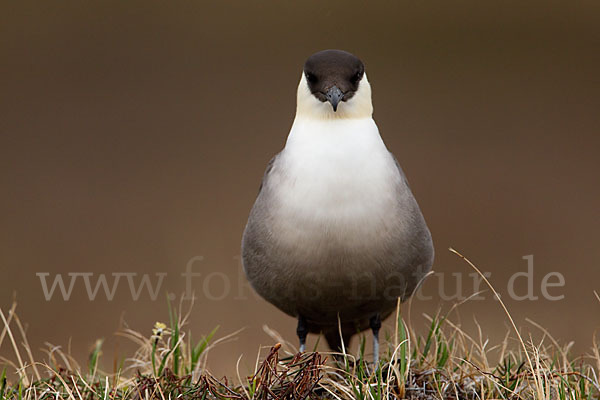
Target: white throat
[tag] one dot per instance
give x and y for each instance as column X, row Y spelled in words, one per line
column 358, row 106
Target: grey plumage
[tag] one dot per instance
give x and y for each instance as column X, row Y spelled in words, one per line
column 321, row 291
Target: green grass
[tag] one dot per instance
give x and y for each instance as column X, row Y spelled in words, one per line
column 444, row 363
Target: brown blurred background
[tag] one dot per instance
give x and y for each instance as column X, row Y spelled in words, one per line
column 134, row 136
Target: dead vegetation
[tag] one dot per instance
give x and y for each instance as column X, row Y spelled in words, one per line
column 446, row 363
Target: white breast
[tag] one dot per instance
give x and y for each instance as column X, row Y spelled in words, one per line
column 334, row 186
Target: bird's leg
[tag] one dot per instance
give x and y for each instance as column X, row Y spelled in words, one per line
column 302, row 332
column 375, row 324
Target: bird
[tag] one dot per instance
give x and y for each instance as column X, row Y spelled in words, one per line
column 335, row 237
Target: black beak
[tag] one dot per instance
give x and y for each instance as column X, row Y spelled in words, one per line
column 334, row 95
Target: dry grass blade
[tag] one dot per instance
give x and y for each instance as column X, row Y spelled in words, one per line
column 540, row 390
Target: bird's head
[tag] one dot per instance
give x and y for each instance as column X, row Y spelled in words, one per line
column 334, row 85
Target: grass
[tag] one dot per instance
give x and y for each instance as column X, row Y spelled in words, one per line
column 445, row 363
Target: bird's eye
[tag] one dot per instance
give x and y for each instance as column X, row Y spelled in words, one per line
column 356, row 77
column 311, row 77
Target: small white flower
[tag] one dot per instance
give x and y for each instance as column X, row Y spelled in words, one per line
column 159, row 329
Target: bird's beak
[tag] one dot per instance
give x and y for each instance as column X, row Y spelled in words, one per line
column 334, row 95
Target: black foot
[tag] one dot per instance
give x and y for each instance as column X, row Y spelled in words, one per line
column 302, row 332
column 375, row 324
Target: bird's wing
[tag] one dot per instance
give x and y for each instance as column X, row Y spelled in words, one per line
column 267, row 171
column 399, row 169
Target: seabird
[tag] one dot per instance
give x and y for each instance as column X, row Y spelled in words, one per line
column 335, row 236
